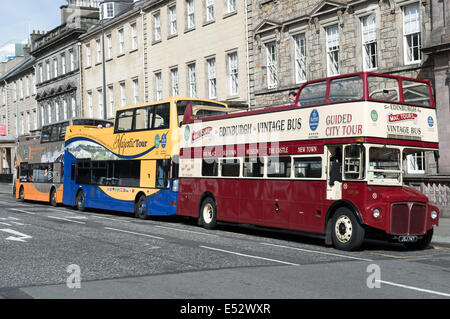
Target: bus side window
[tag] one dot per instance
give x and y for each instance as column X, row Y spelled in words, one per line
column 162, row 173
column 354, row 162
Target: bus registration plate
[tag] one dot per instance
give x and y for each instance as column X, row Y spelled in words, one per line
column 407, row 239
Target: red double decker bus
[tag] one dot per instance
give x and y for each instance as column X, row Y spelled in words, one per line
column 331, row 164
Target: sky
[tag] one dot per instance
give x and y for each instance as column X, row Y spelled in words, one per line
column 18, row 18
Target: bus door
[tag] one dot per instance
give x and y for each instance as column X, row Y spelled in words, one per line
column 334, row 172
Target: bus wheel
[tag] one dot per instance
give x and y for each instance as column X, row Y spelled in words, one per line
column 53, row 198
column 422, row 243
column 80, row 201
column 208, row 213
column 140, row 208
column 21, row 194
column 346, row 232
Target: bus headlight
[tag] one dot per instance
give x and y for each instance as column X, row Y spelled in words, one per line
column 434, row 214
column 376, row 213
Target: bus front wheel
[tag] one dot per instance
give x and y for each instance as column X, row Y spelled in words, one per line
column 80, row 201
column 140, row 208
column 346, row 232
column 208, row 213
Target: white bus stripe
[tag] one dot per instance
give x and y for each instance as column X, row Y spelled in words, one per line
column 250, row 256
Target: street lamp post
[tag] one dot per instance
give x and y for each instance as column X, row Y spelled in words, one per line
column 105, row 115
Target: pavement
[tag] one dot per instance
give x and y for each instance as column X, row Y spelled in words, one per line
column 441, row 233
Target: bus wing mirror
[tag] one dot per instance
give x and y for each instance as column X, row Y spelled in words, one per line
column 187, row 118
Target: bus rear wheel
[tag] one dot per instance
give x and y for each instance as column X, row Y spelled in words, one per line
column 53, row 198
column 80, row 201
column 346, row 232
column 140, row 208
column 208, row 213
column 21, row 194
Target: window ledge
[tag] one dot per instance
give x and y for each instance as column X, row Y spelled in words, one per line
column 208, row 22
column 229, row 14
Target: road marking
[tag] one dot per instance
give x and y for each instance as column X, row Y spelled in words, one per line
column 414, row 288
column 185, row 230
column 116, row 220
column 250, row 256
column 20, row 237
column 318, row 252
column 130, row 232
column 67, row 220
column 441, row 248
column 399, row 257
column 22, row 211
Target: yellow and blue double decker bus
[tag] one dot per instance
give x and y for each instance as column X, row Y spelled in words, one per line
column 132, row 166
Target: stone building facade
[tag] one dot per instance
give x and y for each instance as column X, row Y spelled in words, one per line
column 295, row 41
column 18, row 109
column 122, row 39
column 196, row 48
column 57, row 53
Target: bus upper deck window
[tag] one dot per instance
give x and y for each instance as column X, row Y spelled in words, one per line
column 383, row 88
column 346, row 89
column 416, row 93
column 313, row 93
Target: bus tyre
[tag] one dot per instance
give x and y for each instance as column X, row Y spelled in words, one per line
column 53, row 198
column 21, row 194
column 422, row 243
column 208, row 213
column 140, row 208
column 80, row 201
column 346, row 232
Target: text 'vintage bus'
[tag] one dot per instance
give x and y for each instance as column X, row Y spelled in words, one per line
column 133, row 166
column 331, row 164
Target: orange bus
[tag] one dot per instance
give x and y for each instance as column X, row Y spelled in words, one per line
column 40, row 162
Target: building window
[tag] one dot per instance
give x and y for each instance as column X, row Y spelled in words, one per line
column 109, row 46
column 49, row 113
column 99, row 51
column 21, row 89
column 412, row 34
column 136, row 91
column 111, row 100
column 190, row 14
column 65, row 109
column 88, row 55
column 108, row 10
column 158, row 86
column 41, row 73
column 63, row 64
column 192, row 80
column 332, row 50
column 231, row 6
column 47, row 69
column 100, row 103
column 90, row 105
column 27, row 86
column 212, row 90
column 72, row 60
column 121, row 42
column 416, row 163
column 55, row 67
column 233, row 74
column 369, row 39
column 272, row 70
column 174, row 81
column 35, row 118
column 209, row 10
column 42, row 115
column 134, row 44
column 74, row 106
column 123, row 94
column 300, row 58
column 57, row 111
column 157, row 27
column 173, row 20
